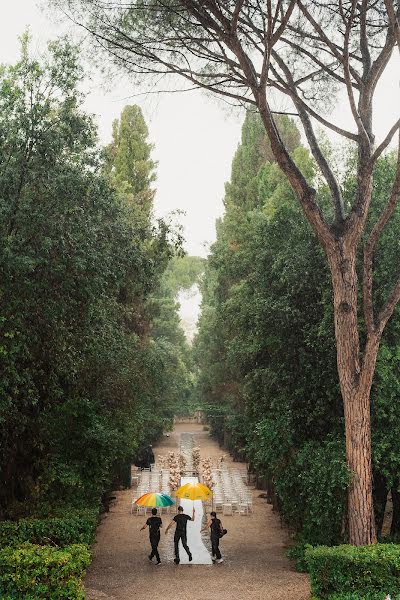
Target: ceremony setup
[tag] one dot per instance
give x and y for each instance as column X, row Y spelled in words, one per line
column 230, row 491
column 251, row 549
column 204, row 483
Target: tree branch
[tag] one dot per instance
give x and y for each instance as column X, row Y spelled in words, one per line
column 304, row 192
column 314, row 146
column 385, row 143
column 235, row 15
column 394, row 20
column 325, row 68
column 389, row 307
column 364, row 46
column 325, row 39
column 380, row 63
column 277, row 35
column 346, row 70
column 285, row 89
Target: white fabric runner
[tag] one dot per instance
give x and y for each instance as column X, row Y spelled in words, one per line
column 201, row 555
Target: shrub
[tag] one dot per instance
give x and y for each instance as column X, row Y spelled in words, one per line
column 356, row 596
column 312, row 489
column 76, row 527
column 38, row 572
column 298, row 554
column 350, row 573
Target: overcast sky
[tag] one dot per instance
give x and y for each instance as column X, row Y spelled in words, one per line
column 194, row 136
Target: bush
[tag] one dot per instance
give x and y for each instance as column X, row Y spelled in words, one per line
column 298, row 554
column 350, row 573
column 356, row 596
column 76, row 527
column 312, row 489
column 34, row 572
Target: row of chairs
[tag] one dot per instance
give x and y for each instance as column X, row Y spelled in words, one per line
column 150, row 480
column 233, row 507
column 231, row 495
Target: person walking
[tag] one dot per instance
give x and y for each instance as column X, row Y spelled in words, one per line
column 180, row 521
column 154, row 524
column 216, row 529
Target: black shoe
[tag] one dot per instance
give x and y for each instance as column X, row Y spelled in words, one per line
column 190, row 558
column 158, row 562
column 176, row 561
column 150, row 557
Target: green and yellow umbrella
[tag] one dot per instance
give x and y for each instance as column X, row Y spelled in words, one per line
column 194, row 491
column 155, row 499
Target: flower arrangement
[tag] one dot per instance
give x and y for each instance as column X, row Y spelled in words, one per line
column 206, row 471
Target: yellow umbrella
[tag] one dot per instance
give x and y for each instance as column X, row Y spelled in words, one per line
column 194, row 491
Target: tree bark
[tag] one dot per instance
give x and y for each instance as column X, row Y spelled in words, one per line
column 358, row 452
column 395, row 525
column 380, row 493
column 355, row 383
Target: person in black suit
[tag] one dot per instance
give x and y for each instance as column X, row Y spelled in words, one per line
column 154, row 524
column 180, row 521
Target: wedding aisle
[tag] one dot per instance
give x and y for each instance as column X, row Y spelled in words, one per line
column 255, row 566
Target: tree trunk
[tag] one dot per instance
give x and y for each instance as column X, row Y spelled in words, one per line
column 395, row 526
column 358, row 454
column 380, row 493
column 270, row 490
column 355, row 384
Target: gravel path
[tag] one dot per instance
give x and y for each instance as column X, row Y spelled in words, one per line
column 255, row 566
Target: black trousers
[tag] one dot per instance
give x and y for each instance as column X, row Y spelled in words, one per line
column 215, row 546
column 154, row 541
column 183, row 537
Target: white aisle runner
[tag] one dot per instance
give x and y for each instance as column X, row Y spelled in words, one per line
column 201, row 555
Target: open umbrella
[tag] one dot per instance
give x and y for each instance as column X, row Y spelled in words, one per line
column 194, row 491
column 155, row 499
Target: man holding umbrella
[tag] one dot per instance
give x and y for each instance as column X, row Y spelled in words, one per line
column 154, row 524
column 181, row 532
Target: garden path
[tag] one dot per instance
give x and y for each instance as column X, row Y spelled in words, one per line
column 255, row 566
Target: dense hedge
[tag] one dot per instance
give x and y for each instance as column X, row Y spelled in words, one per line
column 356, row 596
column 77, row 527
column 33, row 572
column 350, row 573
column 297, row 553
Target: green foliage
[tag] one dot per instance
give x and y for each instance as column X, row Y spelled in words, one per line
column 183, row 271
column 93, row 361
column 127, row 158
column 354, row 572
column 298, row 554
column 84, row 382
column 356, row 596
column 317, row 477
column 250, row 159
column 78, row 527
column 266, row 345
column 32, row 572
